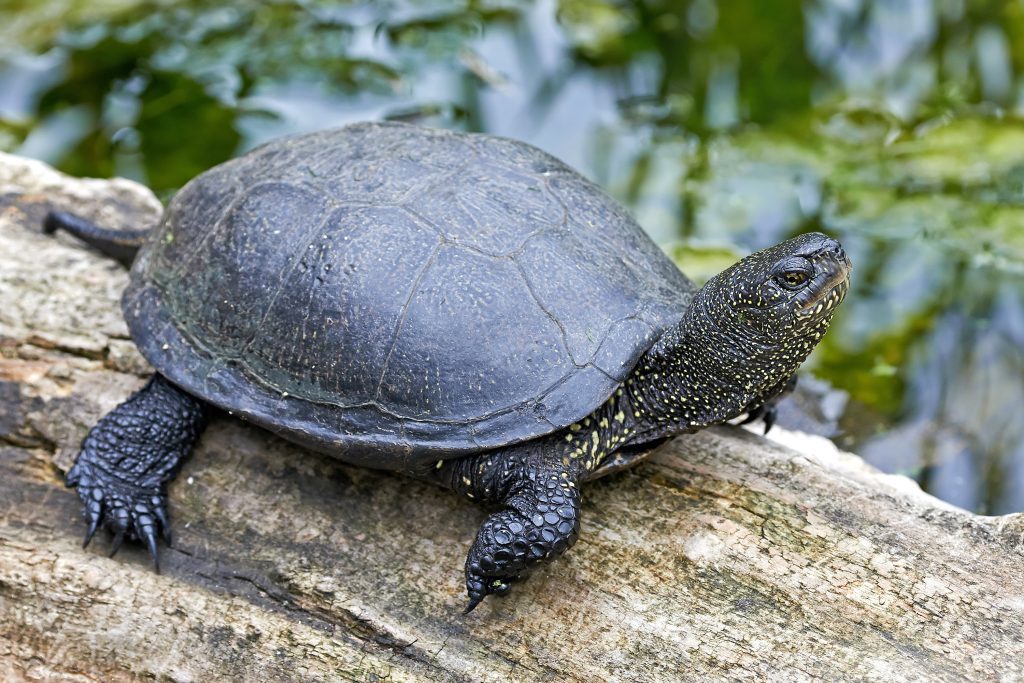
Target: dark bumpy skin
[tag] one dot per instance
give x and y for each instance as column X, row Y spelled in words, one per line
column 463, row 308
column 734, row 351
column 129, row 456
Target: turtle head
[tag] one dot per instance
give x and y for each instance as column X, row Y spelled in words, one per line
column 753, row 324
column 781, row 295
column 744, row 335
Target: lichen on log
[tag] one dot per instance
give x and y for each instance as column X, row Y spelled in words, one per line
column 724, row 556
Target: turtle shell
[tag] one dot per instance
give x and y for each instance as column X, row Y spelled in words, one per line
column 393, row 295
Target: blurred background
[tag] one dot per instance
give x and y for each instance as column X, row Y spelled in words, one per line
column 894, row 125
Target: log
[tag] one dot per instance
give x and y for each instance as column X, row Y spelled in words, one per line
column 724, row 556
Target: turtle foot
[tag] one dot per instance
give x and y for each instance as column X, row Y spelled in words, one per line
column 766, row 413
column 132, row 512
column 127, row 459
column 767, row 409
column 538, row 489
column 539, row 526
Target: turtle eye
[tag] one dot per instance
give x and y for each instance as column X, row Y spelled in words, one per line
column 792, row 279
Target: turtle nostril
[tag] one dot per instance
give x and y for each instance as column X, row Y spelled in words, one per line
column 836, row 250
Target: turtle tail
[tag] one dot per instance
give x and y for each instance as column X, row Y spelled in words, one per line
column 121, row 245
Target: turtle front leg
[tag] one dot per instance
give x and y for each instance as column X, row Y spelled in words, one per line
column 126, row 460
column 767, row 407
column 539, row 519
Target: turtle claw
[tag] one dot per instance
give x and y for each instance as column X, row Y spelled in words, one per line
column 475, row 598
column 162, row 522
column 146, row 529
column 116, row 545
column 752, row 415
column 479, row 587
column 130, row 511
column 767, row 413
column 95, row 516
column 476, row 588
column 150, row 539
column 767, row 409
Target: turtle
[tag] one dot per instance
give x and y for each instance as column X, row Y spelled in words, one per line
column 462, row 308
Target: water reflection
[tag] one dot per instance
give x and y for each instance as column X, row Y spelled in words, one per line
column 724, row 126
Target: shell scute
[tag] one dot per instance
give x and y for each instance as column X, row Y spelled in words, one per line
column 393, row 295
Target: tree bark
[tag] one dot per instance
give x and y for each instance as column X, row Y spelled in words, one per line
column 724, row 556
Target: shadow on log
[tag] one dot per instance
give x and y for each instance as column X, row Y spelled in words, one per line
column 725, row 556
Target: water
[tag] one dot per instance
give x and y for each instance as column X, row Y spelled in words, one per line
column 894, row 125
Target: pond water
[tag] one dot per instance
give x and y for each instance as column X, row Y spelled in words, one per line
column 894, row 125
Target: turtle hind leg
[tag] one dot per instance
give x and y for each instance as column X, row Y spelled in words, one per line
column 121, row 245
column 126, row 460
column 539, row 518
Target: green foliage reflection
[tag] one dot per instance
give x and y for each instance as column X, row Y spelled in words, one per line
column 723, row 125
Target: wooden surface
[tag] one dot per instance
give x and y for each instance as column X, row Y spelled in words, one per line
column 723, row 557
